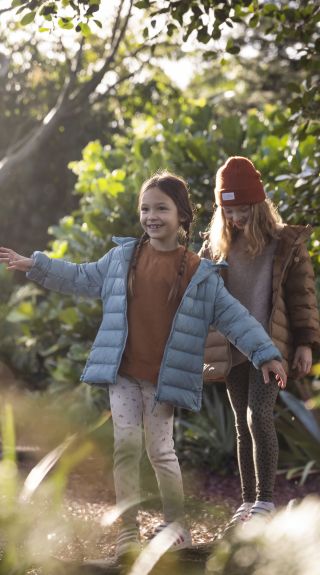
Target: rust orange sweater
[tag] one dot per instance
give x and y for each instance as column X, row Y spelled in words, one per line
column 150, row 314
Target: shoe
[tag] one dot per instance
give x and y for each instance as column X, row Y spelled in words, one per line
column 261, row 510
column 183, row 536
column 240, row 516
column 128, row 542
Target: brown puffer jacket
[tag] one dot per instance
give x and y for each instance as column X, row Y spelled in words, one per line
column 294, row 318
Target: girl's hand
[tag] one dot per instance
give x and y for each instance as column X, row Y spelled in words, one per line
column 274, row 366
column 302, row 361
column 15, row 261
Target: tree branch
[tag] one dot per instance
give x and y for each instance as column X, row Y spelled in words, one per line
column 95, row 80
column 3, row 10
column 74, row 70
column 4, row 65
column 37, row 137
column 30, row 143
column 101, row 97
column 116, row 23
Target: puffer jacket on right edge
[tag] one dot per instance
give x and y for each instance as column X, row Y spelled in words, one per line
column 294, row 318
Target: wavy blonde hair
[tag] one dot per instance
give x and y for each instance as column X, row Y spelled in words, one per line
column 264, row 224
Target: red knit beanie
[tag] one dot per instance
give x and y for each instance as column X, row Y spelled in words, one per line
column 238, row 182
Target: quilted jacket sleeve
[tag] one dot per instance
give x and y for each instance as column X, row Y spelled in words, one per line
column 69, row 278
column 233, row 320
column 301, row 299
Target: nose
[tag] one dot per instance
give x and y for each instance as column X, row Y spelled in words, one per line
column 152, row 215
column 237, row 216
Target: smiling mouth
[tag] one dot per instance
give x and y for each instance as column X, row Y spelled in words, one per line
column 154, row 226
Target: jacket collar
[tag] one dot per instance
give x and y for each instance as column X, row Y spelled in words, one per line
column 296, row 234
column 127, row 245
column 123, row 240
column 291, row 236
column 120, row 241
column 206, row 267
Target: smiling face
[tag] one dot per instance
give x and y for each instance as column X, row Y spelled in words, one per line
column 159, row 218
column 238, row 216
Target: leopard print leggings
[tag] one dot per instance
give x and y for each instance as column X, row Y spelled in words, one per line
column 253, row 402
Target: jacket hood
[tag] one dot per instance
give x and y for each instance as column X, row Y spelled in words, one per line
column 290, row 237
column 296, row 234
column 123, row 240
column 207, row 266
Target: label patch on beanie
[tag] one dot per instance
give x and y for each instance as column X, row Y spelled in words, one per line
column 228, row 196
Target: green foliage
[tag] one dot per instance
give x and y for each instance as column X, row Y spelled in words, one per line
column 286, row 38
column 36, row 529
column 49, row 87
column 53, row 339
column 70, row 324
column 31, row 522
column 298, row 425
column 208, row 439
column 266, row 108
column 286, row 544
column 207, row 19
column 67, row 14
column 46, row 337
column 186, row 136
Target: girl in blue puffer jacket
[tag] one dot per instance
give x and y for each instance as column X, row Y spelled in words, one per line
column 159, row 300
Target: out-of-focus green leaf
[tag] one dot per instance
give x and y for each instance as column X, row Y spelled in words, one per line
column 28, row 18
column 305, row 416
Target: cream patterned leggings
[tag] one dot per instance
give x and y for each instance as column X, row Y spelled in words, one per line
column 132, row 408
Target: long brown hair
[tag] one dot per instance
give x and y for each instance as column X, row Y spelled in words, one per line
column 175, row 188
column 263, row 225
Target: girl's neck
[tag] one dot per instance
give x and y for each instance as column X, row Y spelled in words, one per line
column 164, row 246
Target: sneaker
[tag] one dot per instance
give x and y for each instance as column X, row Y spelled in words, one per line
column 128, row 542
column 261, row 510
column 183, row 536
column 240, row 516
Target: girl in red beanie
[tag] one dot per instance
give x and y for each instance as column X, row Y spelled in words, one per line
column 270, row 272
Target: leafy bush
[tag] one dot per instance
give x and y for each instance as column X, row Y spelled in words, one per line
column 298, row 425
column 46, row 337
column 207, row 439
column 288, row 544
column 190, row 137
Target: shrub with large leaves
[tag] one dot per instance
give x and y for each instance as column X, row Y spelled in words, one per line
column 53, row 333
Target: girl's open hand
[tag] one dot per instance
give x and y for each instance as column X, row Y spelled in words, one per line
column 15, row 261
column 275, row 367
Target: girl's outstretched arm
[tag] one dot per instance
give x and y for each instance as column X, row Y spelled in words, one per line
column 14, row 260
column 59, row 275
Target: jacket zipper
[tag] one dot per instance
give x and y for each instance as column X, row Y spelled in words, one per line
column 189, row 287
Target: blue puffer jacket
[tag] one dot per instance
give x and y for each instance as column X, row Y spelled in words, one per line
column 206, row 301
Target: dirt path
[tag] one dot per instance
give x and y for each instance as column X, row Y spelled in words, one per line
column 210, row 500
